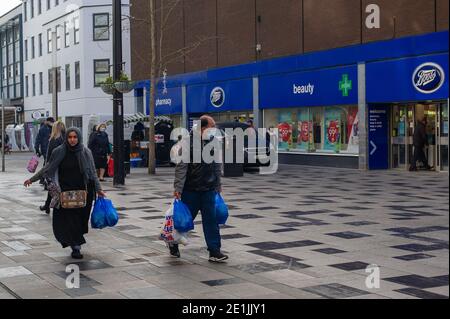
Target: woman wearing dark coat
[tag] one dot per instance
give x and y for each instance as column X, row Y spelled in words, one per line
column 71, row 167
column 99, row 146
column 56, row 139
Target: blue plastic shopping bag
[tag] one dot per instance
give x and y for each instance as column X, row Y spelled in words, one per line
column 221, row 210
column 182, row 217
column 104, row 214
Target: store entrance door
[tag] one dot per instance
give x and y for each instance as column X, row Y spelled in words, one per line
column 401, row 135
column 442, row 138
column 404, row 120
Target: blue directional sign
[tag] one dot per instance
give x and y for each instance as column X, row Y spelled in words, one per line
column 378, row 137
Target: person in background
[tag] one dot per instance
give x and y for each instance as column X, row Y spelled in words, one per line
column 420, row 140
column 94, row 130
column 71, row 165
column 56, row 139
column 196, row 184
column 43, row 137
column 100, row 148
column 5, row 140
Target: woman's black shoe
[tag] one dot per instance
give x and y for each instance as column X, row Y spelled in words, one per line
column 76, row 254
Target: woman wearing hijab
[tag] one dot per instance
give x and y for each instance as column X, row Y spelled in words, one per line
column 71, row 167
column 99, row 146
column 56, row 139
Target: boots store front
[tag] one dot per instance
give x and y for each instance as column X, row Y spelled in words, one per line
column 353, row 107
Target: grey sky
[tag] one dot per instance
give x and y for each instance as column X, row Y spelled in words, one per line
column 6, row 5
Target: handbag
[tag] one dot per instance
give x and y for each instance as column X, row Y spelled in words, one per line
column 73, row 199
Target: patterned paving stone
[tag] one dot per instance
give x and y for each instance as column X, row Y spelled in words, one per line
column 335, row 291
column 357, row 265
column 222, row 282
column 417, row 281
column 329, row 251
column 414, row 257
column 422, row 294
column 348, row 235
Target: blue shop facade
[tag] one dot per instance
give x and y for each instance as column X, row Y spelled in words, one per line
column 353, row 107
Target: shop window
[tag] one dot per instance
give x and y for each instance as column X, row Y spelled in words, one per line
column 316, row 129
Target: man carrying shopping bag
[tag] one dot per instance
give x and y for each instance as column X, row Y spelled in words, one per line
column 196, row 184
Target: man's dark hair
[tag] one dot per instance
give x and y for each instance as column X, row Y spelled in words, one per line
column 51, row 119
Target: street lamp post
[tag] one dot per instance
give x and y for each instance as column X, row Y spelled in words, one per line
column 119, row 166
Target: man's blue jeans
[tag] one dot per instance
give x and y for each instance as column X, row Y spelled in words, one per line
column 206, row 203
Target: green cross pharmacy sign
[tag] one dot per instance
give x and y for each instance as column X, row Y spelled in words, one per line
column 345, row 85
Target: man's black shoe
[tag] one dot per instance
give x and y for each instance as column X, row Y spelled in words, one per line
column 217, row 257
column 174, row 251
column 76, row 254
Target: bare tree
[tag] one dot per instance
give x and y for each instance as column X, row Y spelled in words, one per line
column 158, row 24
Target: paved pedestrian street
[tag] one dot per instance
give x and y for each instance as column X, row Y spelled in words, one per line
column 303, row 233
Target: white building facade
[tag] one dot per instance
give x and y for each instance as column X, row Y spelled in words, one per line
column 83, row 57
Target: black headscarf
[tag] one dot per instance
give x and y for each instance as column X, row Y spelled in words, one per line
column 77, row 148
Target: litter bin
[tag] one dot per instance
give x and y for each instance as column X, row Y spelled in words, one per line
column 232, row 169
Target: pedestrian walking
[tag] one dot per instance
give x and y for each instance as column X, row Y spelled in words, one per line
column 420, row 140
column 71, row 167
column 4, row 138
column 94, row 130
column 100, row 148
column 56, row 139
column 43, row 137
column 197, row 184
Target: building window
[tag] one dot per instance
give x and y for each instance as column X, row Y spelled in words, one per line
column 316, row 129
column 56, row 2
column 25, row 11
column 34, row 84
column 26, row 86
column 58, row 37
column 26, row 50
column 101, row 71
column 101, row 27
column 74, row 121
column 32, row 48
column 40, row 44
column 39, row 7
column 50, row 80
column 48, row 5
column 67, row 77
column 76, row 35
column 31, row 9
column 66, row 34
column 77, row 75
column 49, row 41
column 41, row 83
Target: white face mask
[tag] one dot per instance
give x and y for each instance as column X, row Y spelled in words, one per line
column 102, row 130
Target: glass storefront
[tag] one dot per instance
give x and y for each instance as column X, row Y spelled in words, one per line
column 330, row 130
column 233, row 116
column 404, row 118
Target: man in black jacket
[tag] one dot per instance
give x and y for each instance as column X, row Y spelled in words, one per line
column 42, row 139
column 196, row 184
column 420, row 140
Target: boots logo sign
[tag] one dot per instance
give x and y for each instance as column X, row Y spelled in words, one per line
column 217, row 97
column 428, row 78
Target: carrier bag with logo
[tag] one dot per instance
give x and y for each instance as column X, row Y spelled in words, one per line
column 168, row 233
